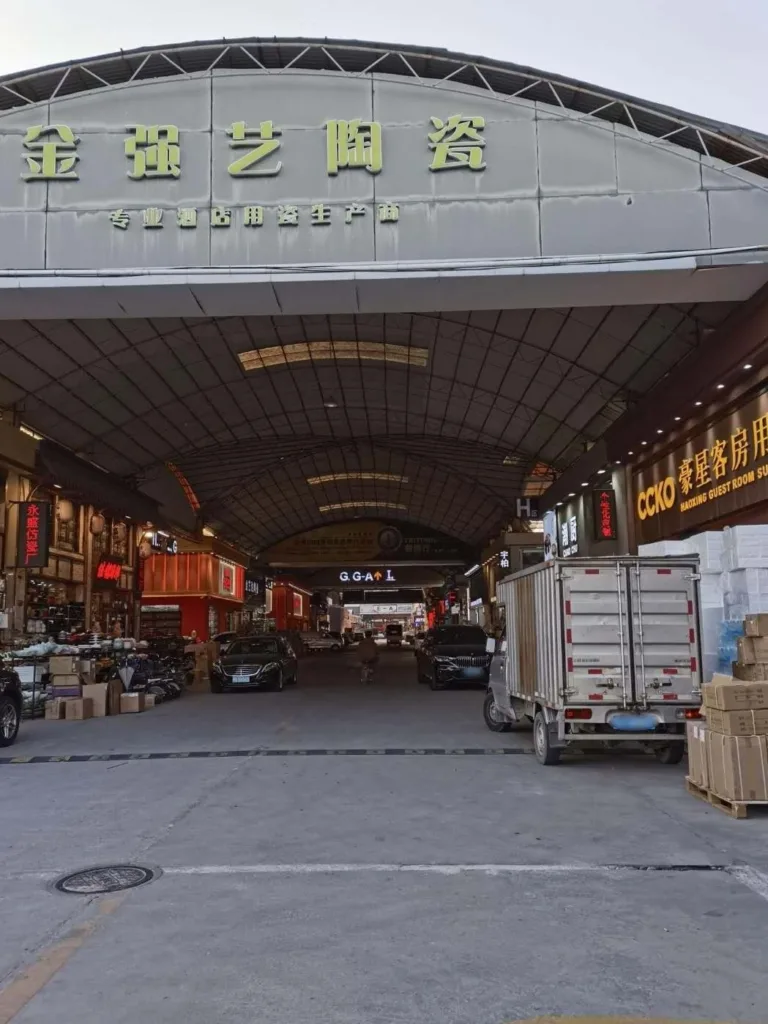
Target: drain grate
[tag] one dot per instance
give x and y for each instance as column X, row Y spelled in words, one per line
column 111, row 878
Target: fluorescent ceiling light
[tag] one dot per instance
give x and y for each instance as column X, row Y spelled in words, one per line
column 308, row 351
column 331, row 478
column 472, row 569
column 30, row 433
column 341, row 505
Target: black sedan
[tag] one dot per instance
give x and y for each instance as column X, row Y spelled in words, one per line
column 264, row 662
column 11, row 702
column 453, row 654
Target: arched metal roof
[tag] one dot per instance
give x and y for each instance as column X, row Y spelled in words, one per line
column 736, row 146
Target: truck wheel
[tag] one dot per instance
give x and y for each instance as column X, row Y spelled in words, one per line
column 673, row 754
column 494, row 717
column 545, row 752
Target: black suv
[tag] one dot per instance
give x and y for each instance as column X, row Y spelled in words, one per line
column 451, row 654
column 11, row 701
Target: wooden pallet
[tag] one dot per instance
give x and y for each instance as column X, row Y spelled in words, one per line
column 734, row 808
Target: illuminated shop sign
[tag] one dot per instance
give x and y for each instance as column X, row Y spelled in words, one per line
column 604, row 513
column 109, row 570
column 34, row 534
column 163, row 543
column 253, row 586
column 569, row 537
column 367, row 576
column 504, row 559
column 719, row 471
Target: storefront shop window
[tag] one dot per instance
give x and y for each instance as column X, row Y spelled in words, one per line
column 54, row 608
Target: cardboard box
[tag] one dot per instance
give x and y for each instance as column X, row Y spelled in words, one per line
column 66, row 686
column 750, row 673
column 745, row 648
column 738, row 723
column 756, row 625
column 64, row 664
column 54, row 709
column 760, row 647
column 97, row 693
column 78, row 710
column 149, row 700
column 114, row 693
column 738, row 766
column 130, row 703
column 728, row 694
column 698, row 762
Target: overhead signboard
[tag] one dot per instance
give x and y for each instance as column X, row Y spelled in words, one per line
column 717, row 472
column 365, row 542
column 34, row 535
column 374, row 575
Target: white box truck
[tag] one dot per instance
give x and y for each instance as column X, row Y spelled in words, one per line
column 599, row 650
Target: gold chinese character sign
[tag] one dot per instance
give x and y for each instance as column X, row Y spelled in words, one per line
column 715, row 474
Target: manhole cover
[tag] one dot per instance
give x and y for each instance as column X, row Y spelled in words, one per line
column 112, row 878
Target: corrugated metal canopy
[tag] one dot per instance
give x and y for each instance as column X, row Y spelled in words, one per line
column 447, row 437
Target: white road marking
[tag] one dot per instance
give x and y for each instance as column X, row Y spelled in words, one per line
column 427, row 869
column 755, row 880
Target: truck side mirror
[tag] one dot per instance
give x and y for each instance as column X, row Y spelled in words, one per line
column 490, row 645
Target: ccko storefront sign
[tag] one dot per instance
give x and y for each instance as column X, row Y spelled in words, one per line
column 717, row 472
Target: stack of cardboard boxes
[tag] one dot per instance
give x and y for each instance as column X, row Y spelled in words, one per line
column 728, row 752
column 74, row 696
column 752, row 650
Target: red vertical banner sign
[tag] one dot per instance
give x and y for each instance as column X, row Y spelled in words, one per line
column 604, row 513
column 34, row 539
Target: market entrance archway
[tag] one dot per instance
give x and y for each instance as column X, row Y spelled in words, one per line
column 294, row 281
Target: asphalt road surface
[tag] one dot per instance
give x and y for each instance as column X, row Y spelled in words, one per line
column 305, row 874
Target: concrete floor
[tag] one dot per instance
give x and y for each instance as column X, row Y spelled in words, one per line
column 368, row 888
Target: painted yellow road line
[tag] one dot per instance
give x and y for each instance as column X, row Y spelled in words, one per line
column 22, row 989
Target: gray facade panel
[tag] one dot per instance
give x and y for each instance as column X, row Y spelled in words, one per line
column 292, row 99
column 718, row 174
column 739, row 217
column 461, row 230
column 575, row 157
column 647, row 222
column 22, row 241
column 239, row 245
column 509, row 154
column 87, row 239
column 397, row 101
column 105, row 183
column 15, row 192
column 185, row 103
column 646, row 167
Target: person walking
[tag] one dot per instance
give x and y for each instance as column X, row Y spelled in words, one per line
column 369, row 655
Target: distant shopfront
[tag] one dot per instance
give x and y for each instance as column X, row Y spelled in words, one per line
column 716, row 477
column 200, row 590
column 290, row 606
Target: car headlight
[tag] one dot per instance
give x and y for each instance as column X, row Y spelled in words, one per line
column 217, row 668
column 273, row 666
column 442, row 660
